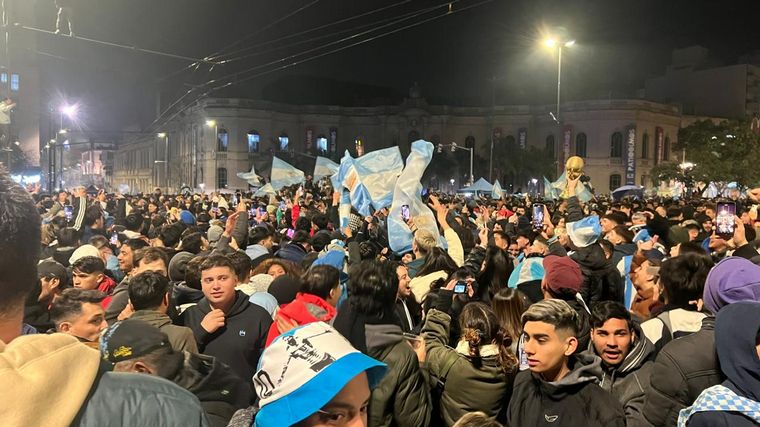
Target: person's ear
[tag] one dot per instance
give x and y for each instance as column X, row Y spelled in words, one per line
column 64, row 327
column 141, row 368
column 100, row 277
column 54, row 283
column 165, row 300
column 571, row 344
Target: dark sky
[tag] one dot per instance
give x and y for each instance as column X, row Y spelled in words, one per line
column 454, row 58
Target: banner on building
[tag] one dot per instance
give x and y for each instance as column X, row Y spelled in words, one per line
column 659, row 144
column 309, row 139
column 630, row 162
column 522, row 137
column 334, row 140
column 567, row 136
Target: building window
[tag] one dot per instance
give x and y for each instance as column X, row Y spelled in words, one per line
column 550, row 146
column 284, row 141
column 253, row 141
column 413, row 136
column 580, row 145
column 509, row 141
column 469, row 142
column 616, row 145
column 222, row 140
column 14, row 82
column 221, row 178
column 656, row 151
column 666, row 149
column 321, row 144
column 614, row 181
column 645, row 146
column 359, row 145
column 4, row 78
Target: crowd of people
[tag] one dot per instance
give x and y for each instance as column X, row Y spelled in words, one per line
column 225, row 309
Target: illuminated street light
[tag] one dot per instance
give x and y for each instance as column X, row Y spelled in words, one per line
column 210, row 123
column 70, row 110
column 63, row 131
column 161, row 135
column 550, row 42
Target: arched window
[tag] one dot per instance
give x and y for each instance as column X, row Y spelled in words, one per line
column 469, row 142
column 580, row 145
column 614, row 181
column 321, row 144
column 657, row 151
column 550, row 146
column 221, row 178
column 284, row 141
column 222, row 140
column 253, row 141
column 666, row 149
column 645, row 146
column 616, row 146
column 509, row 141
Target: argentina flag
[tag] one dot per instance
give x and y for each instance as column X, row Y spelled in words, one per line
column 266, row 190
column 377, row 172
column 324, row 167
column 283, row 174
column 497, row 191
column 407, row 193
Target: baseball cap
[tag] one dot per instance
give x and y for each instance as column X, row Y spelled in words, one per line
column 51, row 269
column 561, row 272
column 303, row 369
column 83, row 251
column 130, row 339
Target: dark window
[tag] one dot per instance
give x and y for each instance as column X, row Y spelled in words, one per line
column 580, row 145
column 550, row 146
column 510, row 141
column 253, row 141
column 657, row 151
column 616, row 145
column 222, row 140
column 666, row 149
column 469, row 142
column 413, row 136
column 614, row 181
column 645, row 146
column 221, row 178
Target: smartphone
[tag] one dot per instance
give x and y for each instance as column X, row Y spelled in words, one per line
column 68, row 212
column 291, row 232
column 115, row 238
column 460, row 287
column 405, row 212
column 538, row 216
column 724, row 219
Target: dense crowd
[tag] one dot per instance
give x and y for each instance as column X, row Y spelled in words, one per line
column 225, row 309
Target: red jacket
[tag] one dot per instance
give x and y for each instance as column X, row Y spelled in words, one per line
column 306, row 308
column 106, row 286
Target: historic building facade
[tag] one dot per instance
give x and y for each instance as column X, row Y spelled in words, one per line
column 620, row 140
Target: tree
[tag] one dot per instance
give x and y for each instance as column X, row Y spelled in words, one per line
column 721, row 152
column 516, row 166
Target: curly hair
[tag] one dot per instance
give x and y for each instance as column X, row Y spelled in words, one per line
column 291, row 269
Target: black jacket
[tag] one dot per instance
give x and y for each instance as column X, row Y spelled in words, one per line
column 219, row 390
column 601, row 280
column 239, row 342
column 683, row 368
column 575, row 400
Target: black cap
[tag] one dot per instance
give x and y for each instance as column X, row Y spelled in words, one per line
column 50, row 269
column 130, row 339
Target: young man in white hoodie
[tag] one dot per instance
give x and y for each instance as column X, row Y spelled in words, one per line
column 33, row 365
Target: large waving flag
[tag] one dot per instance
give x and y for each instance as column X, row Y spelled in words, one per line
column 283, row 174
column 250, row 177
column 497, row 191
column 324, row 167
column 377, row 172
column 266, row 190
column 407, row 192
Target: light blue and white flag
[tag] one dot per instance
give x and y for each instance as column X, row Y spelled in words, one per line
column 497, row 191
column 266, row 190
column 250, row 177
column 324, row 167
column 283, row 174
column 407, row 193
column 377, row 172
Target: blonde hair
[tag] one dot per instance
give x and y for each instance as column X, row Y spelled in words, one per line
column 425, row 241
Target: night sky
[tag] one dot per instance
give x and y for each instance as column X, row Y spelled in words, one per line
column 454, row 58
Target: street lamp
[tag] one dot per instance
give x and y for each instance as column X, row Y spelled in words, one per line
column 165, row 137
column 553, row 43
column 212, row 124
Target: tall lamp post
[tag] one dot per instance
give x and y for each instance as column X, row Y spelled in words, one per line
column 165, row 161
column 212, row 124
column 558, row 44
column 69, row 111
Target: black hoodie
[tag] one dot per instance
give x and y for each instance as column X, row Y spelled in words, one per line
column 239, row 342
column 736, row 332
column 575, row 400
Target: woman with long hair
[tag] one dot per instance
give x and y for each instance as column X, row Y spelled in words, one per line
column 438, row 266
column 509, row 304
column 494, row 273
column 477, row 374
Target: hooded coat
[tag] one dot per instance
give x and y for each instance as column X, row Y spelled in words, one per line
column 736, row 331
column 180, row 337
column 575, row 400
column 240, row 341
column 629, row 381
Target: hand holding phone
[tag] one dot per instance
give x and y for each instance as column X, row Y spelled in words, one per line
column 724, row 220
column 538, row 217
column 460, row 287
column 405, row 214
